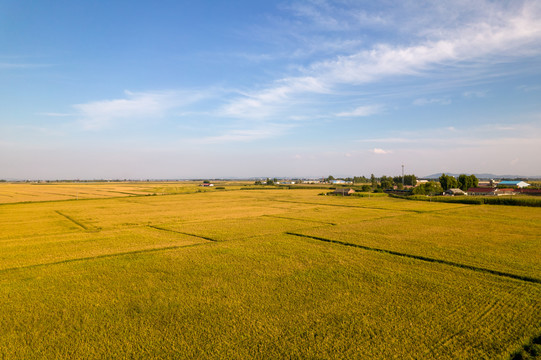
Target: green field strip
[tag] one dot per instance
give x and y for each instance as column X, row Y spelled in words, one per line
column 422, row 258
column 183, row 233
column 78, row 223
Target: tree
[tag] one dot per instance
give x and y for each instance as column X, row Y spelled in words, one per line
column 448, row 182
column 429, row 188
column 464, row 182
column 410, row 180
column 386, row 182
column 330, row 178
column 444, row 180
column 373, row 181
column 360, row 180
column 474, row 181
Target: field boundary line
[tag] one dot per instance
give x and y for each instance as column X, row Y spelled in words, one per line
column 296, row 219
column 83, row 226
column 183, row 233
column 423, row 258
column 371, row 207
column 104, row 256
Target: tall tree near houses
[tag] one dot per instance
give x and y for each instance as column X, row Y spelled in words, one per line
column 448, row 182
column 474, row 181
column 464, row 182
column 444, row 181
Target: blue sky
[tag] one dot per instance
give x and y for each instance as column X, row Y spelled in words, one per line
column 208, row 89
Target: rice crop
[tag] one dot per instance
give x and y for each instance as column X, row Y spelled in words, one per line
column 265, row 274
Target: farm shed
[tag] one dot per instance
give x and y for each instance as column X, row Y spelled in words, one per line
column 343, row 191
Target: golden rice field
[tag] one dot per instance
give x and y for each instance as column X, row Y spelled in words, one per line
column 103, row 271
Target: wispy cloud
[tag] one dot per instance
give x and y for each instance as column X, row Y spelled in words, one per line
column 246, row 135
column 54, row 114
column 137, row 105
column 473, row 136
column 425, row 101
column 361, row 111
column 480, row 41
column 5, row 66
column 487, row 38
column 475, row 94
column 528, row 88
column 265, row 103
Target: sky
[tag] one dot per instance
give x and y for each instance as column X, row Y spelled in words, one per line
column 251, row 88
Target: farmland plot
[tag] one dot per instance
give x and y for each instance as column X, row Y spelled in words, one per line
column 267, row 274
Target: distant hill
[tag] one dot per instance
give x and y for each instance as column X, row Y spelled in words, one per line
column 484, row 176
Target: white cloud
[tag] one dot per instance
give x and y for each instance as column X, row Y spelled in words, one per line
column 425, row 101
column 379, row 151
column 488, row 37
column 508, row 38
column 265, row 103
column 361, row 111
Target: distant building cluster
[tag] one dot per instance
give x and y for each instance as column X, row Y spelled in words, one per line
column 493, row 188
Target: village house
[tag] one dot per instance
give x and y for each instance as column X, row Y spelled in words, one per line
column 454, row 192
column 343, row 191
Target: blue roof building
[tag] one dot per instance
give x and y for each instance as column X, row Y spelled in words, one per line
column 517, row 183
